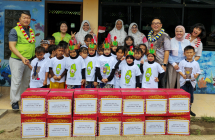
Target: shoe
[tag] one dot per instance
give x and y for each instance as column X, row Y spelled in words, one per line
column 192, row 114
column 15, row 106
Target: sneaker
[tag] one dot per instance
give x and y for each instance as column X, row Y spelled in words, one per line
column 15, row 106
column 192, row 114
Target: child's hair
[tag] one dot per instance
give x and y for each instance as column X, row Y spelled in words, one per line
column 120, row 48
column 88, row 36
column 189, row 47
column 49, row 38
column 125, row 45
column 83, row 49
column 64, row 44
column 138, row 49
column 59, row 46
column 100, row 48
column 129, row 56
column 40, row 49
column 51, row 48
column 144, row 46
column 44, row 42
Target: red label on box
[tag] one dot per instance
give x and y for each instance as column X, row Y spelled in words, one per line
column 155, row 125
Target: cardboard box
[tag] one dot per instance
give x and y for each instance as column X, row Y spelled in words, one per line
column 110, row 126
column 109, row 89
column 133, row 126
column 172, row 90
column 85, row 103
column 86, row 89
column 179, row 125
column 152, row 90
column 37, row 90
column 59, row 127
column 110, row 103
column 84, row 126
column 133, row 103
column 66, row 90
column 33, row 127
column 156, row 103
column 59, row 105
column 179, row 104
column 33, row 104
column 155, row 125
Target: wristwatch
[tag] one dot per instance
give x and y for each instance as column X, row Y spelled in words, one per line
column 164, row 65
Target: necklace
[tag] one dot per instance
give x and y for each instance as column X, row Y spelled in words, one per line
column 156, row 37
column 25, row 34
column 188, row 37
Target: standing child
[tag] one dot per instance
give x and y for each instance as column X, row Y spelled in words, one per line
column 45, row 44
column 129, row 41
column 39, row 69
column 114, row 47
column 144, row 50
column 138, row 53
column 189, row 70
column 51, row 40
column 150, row 70
column 100, row 50
column 65, row 46
column 57, row 69
column 105, row 67
column 87, row 40
column 83, row 52
column 75, row 67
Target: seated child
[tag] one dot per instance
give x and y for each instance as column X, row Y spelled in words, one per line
column 51, row 40
column 150, row 70
column 83, row 52
column 66, row 49
column 189, row 70
column 87, row 40
column 144, row 50
column 138, row 53
column 75, row 67
column 45, row 44
column 57, row 69
column 114, row 47
column 100, row 50
column 39, row 69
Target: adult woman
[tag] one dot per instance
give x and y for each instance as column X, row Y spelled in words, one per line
column 84, row 30
column 62, row 35
column 197, row 33
column 139, row 38
column 178, row 43
column 119, row 32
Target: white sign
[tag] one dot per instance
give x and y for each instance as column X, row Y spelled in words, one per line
column 109, row 128
column 155, row 126
column 133, row 128
column 85, row 105
column 178, row 126
column 59, row 130
column 157, row 106
column 111, row 105
column 178, row 104
column 33, row 106
column 133, row 107
column 84, row 128
column 33, row 130
column 59, row 107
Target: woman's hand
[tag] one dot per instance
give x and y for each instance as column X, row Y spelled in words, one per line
column 176, row 67
column 91, row 32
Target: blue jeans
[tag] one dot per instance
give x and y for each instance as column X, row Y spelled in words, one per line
column 89, row 84
column 103, row 85
column 73, row 86
column 189, row 88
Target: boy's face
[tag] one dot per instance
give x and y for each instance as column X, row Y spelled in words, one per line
column 72, row 53
column 66, row 52
column 107, row 51
column 52, row 42
column 143, row 49
column 100, row 52
column 119, row 54
column 114, row 48
column 87, row 42
column 129, row 60
column 53, row 53
column 83, row 54
column 189, row 54
column 45, row 46
column 40, row 55
column 60, row 52
column 150, row 57
column 137, row 55
column 92, row 51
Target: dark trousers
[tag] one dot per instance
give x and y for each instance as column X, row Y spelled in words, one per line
column 189, row 88
column 162, row 82
column 44, row 86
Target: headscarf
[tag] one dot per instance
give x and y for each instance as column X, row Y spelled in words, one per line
column 81, row 34
column 183, row 37
column 138, row 36
column 120, row 34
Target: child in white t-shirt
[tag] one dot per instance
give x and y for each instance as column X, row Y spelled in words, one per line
column 151, row 70
column 83, row 52
column 75, row 67
column 57, row 69
column 87, row 40
column 114, row 46
column 45, row 44
column 39, row 69
column 138, row 53
column 144, row 50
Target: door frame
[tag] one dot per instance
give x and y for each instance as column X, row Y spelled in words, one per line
column 59, row 2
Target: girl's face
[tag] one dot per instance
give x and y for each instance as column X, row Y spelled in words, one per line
column 118, row 25
column 150, row 57
column 86, row 26
column 179, row 33
column 83, row 54
column 134, row 29
column 91, row 51
column 63, row 28
column 100, row 52
column 129, row 60
column 143, row 48
column 107, row 51
column 87, row 42
column 196, row 32
column 119, row 54
column 129, row 42
column 137, row 55
column 114, row 48
column 72, row 53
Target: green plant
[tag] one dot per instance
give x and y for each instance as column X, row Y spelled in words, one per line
column 198, row 132
column 2, row 131
column 208, row 119
column 193, row 119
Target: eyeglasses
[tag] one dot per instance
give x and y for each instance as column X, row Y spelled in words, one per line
column 156, row 23
column 85, row 25
column 134, row 27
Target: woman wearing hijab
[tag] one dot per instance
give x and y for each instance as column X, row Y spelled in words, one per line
column 119, row 32
column 84, row 30
column 178, row 43
column 139, row 38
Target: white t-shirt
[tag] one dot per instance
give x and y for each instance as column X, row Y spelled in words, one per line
column 128, row 75
column 48, row 79
column 90, row 63
column 42, row 67
column 189, row 68
column 106, row 64
column 150, row 72
column 117, row 74
column 137, row 62
column 74, row 67
column 47, row 55
column 58, row 67
column 113, row 55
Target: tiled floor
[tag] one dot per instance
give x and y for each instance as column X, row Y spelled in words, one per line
column 204, row 104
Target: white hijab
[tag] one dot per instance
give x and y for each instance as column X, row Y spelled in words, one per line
column 81, row 34
column 138, row 36
column 120, row 34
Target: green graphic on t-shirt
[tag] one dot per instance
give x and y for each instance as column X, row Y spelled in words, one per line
column 138, row 65
column 128, row 76
column 106, row 69
column 73, row 70
column 89, row 67
column 148, row 74
column 58, row 68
